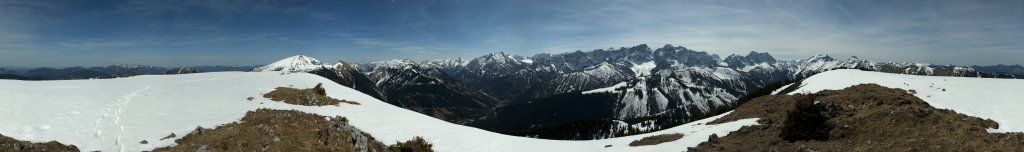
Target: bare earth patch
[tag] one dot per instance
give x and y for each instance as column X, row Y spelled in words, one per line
column 315, row 96
column 279, row 130
column 656, row 139
column 865, row 117
column 11, row 144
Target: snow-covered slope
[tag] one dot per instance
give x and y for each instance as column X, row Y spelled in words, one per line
column 116, row 114
column 298, row 63
column 996, row 99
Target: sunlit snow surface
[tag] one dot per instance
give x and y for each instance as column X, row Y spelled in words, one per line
column 1001, row 100
column 116, row 114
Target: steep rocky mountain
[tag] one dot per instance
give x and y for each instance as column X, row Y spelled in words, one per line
column 182, row 70
column 298, row 63
column 426, row 89
column 601, row 94
column 341, row 72
column 627, row 86
column 497, row 74
column 824, row 62
column 346, row 74
column 650, row 97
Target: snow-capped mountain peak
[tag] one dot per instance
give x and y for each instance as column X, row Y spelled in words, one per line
column 298, row 63
column 496, row 58
column 820, row 57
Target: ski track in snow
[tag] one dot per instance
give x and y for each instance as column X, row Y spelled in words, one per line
column 99, row 115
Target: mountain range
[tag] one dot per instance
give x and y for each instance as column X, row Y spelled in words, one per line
column 595, row 94
column 601, row 93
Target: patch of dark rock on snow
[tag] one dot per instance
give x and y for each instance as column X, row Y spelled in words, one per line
column 316, row 96
column 656, row 139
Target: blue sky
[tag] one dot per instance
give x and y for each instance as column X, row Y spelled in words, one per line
column 245, row 32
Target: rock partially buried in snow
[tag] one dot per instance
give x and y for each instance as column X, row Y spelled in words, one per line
column 315, row 96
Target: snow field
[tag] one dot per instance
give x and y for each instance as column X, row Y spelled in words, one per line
column 116, row 114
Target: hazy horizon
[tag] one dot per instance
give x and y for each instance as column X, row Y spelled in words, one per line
column 54, row 33
column 326, row 60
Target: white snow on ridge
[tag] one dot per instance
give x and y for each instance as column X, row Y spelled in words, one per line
column 298, row 63
column 996, row 99
column 607, row 89
column 116, row 114
column 643, row 69
column 527, row 61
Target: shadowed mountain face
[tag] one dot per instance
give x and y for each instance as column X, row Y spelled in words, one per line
column 426, row 89
column 348, row 76
column 340, row 72
column 1016, row 70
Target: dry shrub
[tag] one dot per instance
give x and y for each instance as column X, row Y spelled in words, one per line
column 417, row 144
column 806, row 122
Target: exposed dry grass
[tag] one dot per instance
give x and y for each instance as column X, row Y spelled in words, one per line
column 279, row 130
column 865, row 117
column 8, row 144
column 315, row 96
column 656, row 139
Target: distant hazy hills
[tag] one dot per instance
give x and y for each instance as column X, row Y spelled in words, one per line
column 112, row 71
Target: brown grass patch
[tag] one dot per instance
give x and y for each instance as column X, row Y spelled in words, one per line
column 656, row 139
column 417, row 144
column 279, row 130
column 315, row 96
column 865, row 117
column 11, row 144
